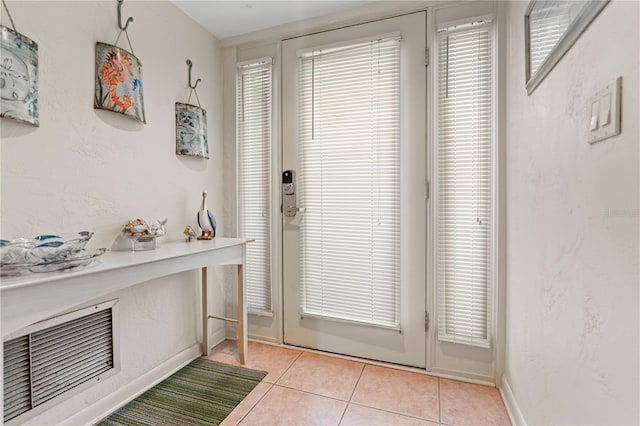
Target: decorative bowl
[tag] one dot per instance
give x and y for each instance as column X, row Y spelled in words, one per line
column 143, row 233
column 82, row 258
column 46, row 253
column 65, row 246
column 17, row 251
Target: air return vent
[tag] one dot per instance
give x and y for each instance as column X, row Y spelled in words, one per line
column 56, row 356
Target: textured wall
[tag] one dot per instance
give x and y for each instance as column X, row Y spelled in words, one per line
column 94, row 170
column 573, row 231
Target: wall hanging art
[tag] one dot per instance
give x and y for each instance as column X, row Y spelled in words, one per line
column 119, row 77
column 191, row 125
column 18, row 75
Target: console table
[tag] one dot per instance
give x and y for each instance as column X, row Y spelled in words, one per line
column 37, row 296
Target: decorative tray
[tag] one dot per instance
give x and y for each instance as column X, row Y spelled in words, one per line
column 43, row 248
column 81, row 258
column 13, row 269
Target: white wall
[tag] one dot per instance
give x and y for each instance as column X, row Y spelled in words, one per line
column 86, row 169
column 573, row 231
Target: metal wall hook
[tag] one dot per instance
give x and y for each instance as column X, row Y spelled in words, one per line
column 129, row 19
column 190, row 64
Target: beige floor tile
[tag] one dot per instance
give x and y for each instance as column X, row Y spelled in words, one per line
column 226, row 346
column 309, row 387
column 358, row 415
column 284, row 406
column 323, row 375
column 272, row 359
column 246, row 404
column 401, row 392
column 469, row 404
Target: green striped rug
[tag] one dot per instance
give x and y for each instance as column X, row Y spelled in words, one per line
column 202, row 393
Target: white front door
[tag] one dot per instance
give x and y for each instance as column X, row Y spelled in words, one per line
column 354, row 126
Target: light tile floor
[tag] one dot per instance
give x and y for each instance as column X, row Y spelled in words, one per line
column 310, row 388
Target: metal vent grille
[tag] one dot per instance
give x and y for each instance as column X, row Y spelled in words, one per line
column 17, row 383
column 49, row 362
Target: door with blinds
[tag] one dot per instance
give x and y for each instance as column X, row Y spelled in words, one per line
column 253, row 115
column 354, row 206
column 464, row 201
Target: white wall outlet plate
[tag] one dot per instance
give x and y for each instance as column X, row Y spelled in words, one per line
column 604, row 112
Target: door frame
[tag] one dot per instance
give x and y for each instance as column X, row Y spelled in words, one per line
column 262, row 43
column 408, row 347
column 460, row 13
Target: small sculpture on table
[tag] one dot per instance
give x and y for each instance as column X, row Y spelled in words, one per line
column 206, row 221
column 189, row 233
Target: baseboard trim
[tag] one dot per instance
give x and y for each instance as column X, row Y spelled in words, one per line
column 510, row 402
column 105, row 406
column 462, row 377
column 217, row 337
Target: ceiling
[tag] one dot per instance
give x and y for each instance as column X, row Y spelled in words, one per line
column 230, row 18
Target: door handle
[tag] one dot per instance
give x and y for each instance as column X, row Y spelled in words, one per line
column 289, row 194
column 291, row 211
column 296, row 209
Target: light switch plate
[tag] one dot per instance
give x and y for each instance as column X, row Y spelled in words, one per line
column 604, row 112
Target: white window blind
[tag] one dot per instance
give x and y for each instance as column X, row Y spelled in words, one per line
column 547, row 25
column 464, row 185
column 254, row 177
column 348, row 182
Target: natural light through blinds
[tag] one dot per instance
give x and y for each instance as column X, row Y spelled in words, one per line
column 464, row 175
column 547, row 26
column 254, row 164
column 348, row 182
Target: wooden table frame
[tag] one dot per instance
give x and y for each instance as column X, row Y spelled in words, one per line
column 241, row 321
column 35, row 297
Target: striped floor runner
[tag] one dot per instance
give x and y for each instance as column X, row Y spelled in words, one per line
column 202, row 393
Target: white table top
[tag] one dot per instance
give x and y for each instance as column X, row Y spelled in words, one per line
column 36, row 296
column 113, row 260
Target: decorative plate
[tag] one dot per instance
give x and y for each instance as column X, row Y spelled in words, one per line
column 83, row 258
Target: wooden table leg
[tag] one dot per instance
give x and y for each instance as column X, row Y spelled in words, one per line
column 205, row 315
column 242, row 331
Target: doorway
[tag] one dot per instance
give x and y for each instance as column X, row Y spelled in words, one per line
column 354, row 155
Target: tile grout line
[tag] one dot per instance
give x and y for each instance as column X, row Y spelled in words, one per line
column 399, row 414
column 314, row 394
column 354, row 403
column 437, row 421
column 364, row 366
column 287, row 369
column 346, row 406
column 439, row 404
column 333, row 398
column 357, row 382
column 365, row 361
column 349, row 401
column 352, row 392
column 271, row 385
